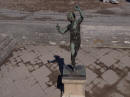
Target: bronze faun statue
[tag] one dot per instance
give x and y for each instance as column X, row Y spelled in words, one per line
column 74, row 28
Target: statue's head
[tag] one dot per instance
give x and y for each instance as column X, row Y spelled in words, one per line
column 71, row 16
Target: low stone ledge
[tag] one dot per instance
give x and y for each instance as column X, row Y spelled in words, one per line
column 7, row 44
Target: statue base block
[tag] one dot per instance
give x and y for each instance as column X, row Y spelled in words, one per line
column 74, row 81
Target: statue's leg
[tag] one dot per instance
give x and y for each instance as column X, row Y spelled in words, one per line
column 77, row 46
column 73, row 54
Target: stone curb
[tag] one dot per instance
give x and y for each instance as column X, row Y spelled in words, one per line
column 6, row 47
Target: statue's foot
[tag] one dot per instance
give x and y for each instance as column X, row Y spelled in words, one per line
column 70, row 67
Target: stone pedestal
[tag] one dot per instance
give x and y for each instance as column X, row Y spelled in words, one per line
column 74, row 81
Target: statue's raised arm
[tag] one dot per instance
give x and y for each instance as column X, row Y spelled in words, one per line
column 77, row 8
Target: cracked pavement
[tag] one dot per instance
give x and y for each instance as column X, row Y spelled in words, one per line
column 27, row 73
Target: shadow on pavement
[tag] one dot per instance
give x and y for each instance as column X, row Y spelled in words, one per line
column 61, row 64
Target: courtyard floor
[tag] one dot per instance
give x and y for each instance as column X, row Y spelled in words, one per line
column 27, row 73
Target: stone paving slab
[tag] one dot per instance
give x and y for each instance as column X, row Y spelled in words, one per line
column 27, row 72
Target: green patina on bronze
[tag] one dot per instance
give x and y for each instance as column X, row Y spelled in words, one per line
column 74, row 28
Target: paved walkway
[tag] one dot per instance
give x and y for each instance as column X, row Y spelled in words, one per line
column 27, row 72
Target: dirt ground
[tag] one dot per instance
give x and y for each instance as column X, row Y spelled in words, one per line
column 53, row 5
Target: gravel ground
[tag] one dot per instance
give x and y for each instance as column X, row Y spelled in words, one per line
column 53, row 5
